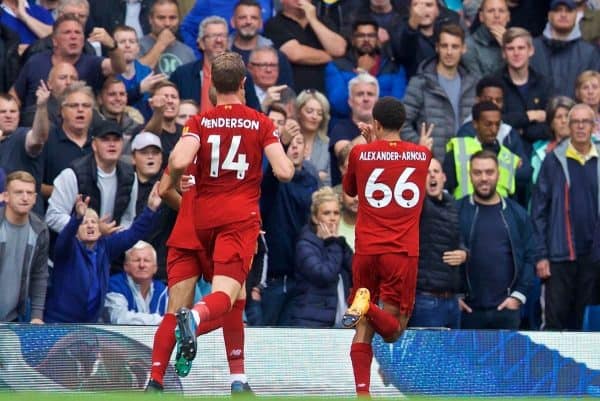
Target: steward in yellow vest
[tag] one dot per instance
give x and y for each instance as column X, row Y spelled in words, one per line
column 486, row 121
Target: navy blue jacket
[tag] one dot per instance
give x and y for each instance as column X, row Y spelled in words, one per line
column 285, row 209
column 319, row 263
column 552, row 226
column 521, row 239
column 187, row 80
column 67, row 297
column 391, row 77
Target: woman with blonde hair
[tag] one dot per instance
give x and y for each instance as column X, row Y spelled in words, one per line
column 313, row 117
column 587, row 90
column 323, row 265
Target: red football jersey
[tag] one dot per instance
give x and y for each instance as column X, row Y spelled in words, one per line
column 229, row 163
column 389, row 178
column 183, row 234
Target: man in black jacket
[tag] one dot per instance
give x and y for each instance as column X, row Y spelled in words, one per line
column 441, row 254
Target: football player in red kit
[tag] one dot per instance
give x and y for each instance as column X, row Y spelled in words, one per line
column 388, row 175
column 227, row 144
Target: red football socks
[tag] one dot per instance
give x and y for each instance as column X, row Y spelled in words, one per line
column 233, row 335
column 383, row 323
column 213, row 306
column 361, row 355
column 164, row 342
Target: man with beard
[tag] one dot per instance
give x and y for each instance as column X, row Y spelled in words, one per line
column 247, row 22
column 365, row 54
column 160, row 49
column 498, row 234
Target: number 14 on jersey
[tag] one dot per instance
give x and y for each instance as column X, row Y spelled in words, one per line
column 240, row 166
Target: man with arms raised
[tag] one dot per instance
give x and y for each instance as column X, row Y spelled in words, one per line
column 228, row 143
column 388, row 175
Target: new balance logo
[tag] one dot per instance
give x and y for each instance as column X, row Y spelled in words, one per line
column 235, row 352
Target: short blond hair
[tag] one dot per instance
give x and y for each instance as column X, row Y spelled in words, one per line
column 325, row 194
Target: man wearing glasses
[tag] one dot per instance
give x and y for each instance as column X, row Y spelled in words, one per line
column 564, row 210
column 193, row 80
column 365, row 54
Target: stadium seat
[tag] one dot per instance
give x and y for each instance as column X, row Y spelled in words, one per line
column 591, row 318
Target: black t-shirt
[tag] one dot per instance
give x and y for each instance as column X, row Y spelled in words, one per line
column 491, row 264
column 13, row 157
column 60, row 151
column 281, row 29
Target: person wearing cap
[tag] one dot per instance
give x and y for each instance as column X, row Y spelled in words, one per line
column 146, row 156
column 561, row 53
column 109, row 183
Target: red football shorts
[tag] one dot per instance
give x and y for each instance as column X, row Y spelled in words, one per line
column 231, row 247
column 390, row 277
column 187, row 263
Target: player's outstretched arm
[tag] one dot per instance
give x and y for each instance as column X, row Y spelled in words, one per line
column 283, row 168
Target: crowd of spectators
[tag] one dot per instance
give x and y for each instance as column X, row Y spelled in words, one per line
column 94, row 95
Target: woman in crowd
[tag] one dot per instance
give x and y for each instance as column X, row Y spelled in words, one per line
column 313, row 117
column 323, row 265
column 587, row 90
column 557, row 113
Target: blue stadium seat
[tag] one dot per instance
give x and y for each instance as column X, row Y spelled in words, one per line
column 591, row 318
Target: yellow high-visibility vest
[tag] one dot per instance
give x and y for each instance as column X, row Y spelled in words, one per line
column 464, row 148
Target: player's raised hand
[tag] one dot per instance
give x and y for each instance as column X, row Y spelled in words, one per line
column 42, row 94
column 425, row 138
column 366, row 131
column 81, row 205
column 108, row 226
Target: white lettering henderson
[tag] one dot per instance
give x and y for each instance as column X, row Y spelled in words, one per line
column 229, row 123
column 407, row 156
